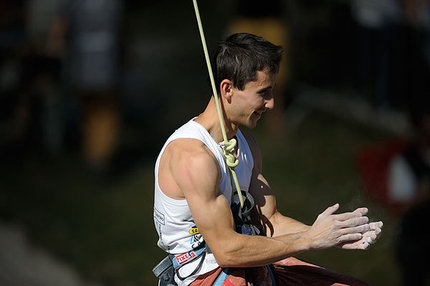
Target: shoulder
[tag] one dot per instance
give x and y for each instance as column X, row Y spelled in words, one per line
column 188, row 149
column 190, row 157
column 186, row 165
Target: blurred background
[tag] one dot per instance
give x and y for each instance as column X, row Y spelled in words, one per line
column 90, row 89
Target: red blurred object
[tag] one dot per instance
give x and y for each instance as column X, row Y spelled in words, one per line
column 372, row 162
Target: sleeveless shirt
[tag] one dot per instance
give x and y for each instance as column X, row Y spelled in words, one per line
column 173, row 220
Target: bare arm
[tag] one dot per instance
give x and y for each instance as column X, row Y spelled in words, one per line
column 351, row 229
column 195, row 171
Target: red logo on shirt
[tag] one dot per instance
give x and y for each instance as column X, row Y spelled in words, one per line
column 185, row 257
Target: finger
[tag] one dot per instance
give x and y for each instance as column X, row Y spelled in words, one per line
column 361, row 244
column 376, row 225
column 350, row 237
column 376, row 228
column 350, row 215
column 359, row 221
column 371, row 237
column 378, row 231
column 355, row 221
column 329, row 211
column 362, row 228
column 364, row 246
column 362, row 211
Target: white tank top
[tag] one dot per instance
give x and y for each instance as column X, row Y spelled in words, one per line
column 173, row 220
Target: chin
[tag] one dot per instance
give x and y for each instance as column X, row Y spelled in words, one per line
column 251, row 124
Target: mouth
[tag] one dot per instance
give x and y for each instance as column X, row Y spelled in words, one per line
column 258, row 114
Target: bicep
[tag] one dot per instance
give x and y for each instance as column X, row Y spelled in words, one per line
column 275, row 223
column 265, row 201
column 199, row 179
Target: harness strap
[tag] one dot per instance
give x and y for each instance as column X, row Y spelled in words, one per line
column 184, row 258
column 166, row 269
column 245, row 211
column 221, row 277
column 202, row 258
column 272, row 273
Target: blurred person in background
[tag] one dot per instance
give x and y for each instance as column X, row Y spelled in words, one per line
column 409, row 186
column 89, row 34
column 417, row 15
column 13, row 119
column 31, row 77
column 409, row 170
column 377, row 22
column 417, row 45
column 40, row 80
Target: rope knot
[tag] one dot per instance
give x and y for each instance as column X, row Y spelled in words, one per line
column 228, row 149
column 231, row 161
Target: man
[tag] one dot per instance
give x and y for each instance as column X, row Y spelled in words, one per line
column 196, row 211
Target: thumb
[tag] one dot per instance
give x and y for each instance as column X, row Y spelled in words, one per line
column 329, row 211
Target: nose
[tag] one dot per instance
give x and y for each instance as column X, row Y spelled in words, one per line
column 270, row 103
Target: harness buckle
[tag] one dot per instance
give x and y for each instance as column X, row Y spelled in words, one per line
column 162, row 267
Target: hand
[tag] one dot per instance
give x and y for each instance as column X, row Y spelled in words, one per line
column 331, row 229
column 369, row 237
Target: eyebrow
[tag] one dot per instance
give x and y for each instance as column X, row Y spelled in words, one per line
column 265, row 89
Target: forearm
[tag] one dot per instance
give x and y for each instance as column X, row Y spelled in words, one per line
column 283, row 225
column 252, row 251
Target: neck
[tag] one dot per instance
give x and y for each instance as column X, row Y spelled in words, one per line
column 210, row 120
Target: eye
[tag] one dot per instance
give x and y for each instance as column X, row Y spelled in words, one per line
column 266, row 94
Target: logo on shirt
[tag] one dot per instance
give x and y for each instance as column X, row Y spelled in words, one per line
column 185, row 257
column 196, row 238
column 159, row 217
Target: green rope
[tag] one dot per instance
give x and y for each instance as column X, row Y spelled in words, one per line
column 227, row 145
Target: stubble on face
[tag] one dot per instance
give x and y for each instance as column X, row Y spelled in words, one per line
column 253, row 100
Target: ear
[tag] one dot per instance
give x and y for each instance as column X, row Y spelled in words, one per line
column 226, row 89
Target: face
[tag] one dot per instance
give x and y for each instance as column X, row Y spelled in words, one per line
column 249, row 104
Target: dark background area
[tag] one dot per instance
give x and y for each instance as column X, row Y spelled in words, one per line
column 99, row 224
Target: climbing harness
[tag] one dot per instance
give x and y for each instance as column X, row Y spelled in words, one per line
column 242, row 215
column 166, row 269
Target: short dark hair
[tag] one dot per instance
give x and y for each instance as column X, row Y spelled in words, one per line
column 241, row 55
